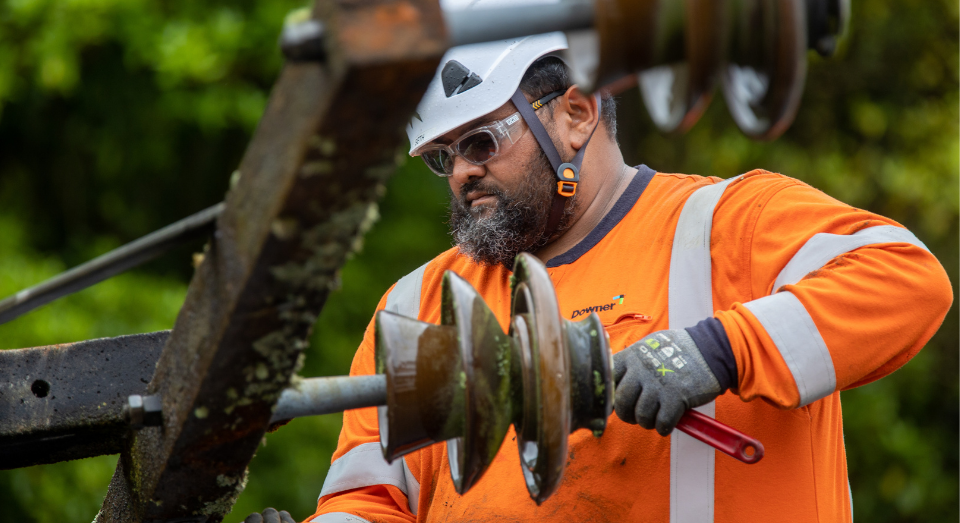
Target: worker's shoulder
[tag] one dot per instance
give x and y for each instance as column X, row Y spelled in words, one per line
column 744, row 195
column 760, row 180
column 680, row 181
column 752, row 181
column 441, row 261
column 758, row 188
column 672, row 189
column 427, row 280
column 449, row 260
column 750, row 186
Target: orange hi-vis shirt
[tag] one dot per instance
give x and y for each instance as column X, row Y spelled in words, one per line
column 815, row 297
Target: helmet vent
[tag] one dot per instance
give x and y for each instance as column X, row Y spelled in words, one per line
column 457, row 78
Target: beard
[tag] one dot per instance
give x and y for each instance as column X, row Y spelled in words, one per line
column 517, row 224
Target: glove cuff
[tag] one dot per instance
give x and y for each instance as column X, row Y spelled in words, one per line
column 714, row 345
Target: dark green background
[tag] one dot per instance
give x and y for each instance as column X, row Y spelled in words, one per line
column 120, row 116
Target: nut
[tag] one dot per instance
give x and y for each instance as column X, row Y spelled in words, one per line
column 144, row 411
column 303, row 41
column 134, row 410
column 152, row 411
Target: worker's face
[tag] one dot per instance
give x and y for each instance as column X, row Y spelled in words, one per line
column 500, row 208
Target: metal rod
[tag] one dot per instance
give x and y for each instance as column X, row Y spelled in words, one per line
column 110, row 264
column 315, row 396
column 469, row 26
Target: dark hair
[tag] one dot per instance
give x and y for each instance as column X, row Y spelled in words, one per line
column 550, row 74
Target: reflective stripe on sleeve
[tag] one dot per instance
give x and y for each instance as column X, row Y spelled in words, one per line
column 795, row 334
column 404, row 299
column 850, row 491
column 364, row 466
column 692, row 463
column 789, row 324
column 338, row 517
column 413, row 487
column 823, row 247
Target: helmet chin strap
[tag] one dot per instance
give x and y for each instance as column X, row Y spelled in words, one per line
column 567, row 173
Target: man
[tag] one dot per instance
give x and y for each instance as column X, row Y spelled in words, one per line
column 756, row 299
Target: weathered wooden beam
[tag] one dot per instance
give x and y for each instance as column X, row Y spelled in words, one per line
column 307, row 192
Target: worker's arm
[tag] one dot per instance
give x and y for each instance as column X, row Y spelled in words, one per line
column 840, row 296
column 360, row 485
column 824, row 297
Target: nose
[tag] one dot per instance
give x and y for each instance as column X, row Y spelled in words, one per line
column 463, row 173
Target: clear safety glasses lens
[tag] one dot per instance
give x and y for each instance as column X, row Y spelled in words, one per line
column 440, row 161
column 477, row 148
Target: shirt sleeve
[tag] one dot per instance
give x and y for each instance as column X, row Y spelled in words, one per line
column 840, row 297
column 360, row 483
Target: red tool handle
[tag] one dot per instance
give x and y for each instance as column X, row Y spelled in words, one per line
column 726, row 439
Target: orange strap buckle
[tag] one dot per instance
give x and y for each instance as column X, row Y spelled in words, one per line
column 567, row 177
column 566, row 189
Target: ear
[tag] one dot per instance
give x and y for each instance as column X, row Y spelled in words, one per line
column 581, row 114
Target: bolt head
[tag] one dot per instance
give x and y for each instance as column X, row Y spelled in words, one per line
column 134, row 410
column 303, row 41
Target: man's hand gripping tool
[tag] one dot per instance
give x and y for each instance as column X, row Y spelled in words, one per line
column 466, row 381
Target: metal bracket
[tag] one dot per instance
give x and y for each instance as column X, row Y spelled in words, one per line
column 303, row 41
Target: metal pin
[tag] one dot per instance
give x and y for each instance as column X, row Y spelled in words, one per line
column 110, row 264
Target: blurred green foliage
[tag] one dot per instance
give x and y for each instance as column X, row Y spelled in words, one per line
column 120, row 116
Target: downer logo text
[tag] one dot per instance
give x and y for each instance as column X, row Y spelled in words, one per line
column 599, row 308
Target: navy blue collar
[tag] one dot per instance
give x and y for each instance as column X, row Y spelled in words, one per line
column 619, row 210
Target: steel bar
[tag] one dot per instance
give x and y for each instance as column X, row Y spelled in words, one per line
column 316, row 396
column 110, row 264
column 307, row 192
column 65, row 402
column 469, row 26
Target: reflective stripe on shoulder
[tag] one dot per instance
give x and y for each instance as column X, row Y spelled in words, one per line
column 404, row 299
column 795, row 334
column 823, row 247
column 691, row 285
column 364, row 466
column 692, row 463
column 338, row 517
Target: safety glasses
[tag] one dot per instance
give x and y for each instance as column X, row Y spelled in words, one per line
column 477, row 146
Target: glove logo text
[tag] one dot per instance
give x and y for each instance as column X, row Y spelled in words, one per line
column 663, row 370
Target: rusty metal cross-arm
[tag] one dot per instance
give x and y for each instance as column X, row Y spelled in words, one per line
column 307, row 192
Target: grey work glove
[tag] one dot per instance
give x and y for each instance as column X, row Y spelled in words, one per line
column 659, row 377
column 270, row 515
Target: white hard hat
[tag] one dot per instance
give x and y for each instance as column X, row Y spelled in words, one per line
column 475, row 80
